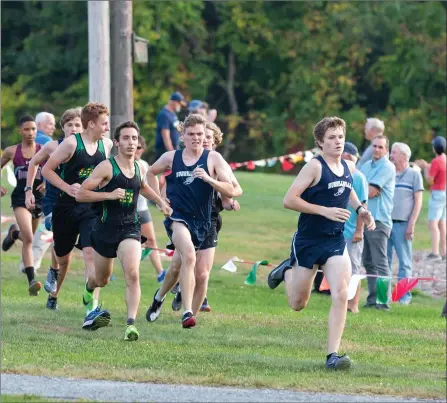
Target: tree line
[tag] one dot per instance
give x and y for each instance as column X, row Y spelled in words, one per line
column 271, row 69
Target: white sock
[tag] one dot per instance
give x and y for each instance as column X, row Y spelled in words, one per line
column 158, row 296
column 188, row 310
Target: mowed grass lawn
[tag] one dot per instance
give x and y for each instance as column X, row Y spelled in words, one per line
column 251, row 338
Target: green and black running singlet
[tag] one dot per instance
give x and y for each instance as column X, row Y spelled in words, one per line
column 122, row 211
column 80, row 166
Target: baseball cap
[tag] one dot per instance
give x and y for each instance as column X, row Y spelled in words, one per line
column 439, row 144
column 177, row 96
column 351, row 149
column 194, row 105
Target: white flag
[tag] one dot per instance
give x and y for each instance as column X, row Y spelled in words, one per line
column 230, row 266
column 353, row 284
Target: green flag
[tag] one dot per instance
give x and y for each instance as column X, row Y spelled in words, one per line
column 251, row 278
column 145, row 253
column 382, row 287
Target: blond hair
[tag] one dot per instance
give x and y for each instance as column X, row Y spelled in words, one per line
column 217, row 133
column 192, row 120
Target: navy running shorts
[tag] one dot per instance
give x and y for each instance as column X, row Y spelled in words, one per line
column 307, row 251
column 198, row 229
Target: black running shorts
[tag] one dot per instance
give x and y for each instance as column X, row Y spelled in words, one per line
column 69, row 223
column 106, row 239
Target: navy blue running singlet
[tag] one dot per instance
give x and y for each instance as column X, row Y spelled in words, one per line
column 330, row 191
column 190, row 198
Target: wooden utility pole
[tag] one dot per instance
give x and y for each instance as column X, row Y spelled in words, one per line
column 121, row 62
column 99, row 52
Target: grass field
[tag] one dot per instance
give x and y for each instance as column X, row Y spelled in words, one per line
column 251, row 338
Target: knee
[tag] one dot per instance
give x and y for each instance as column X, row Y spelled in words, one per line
column 102, row 281
column 298, row 304
column 189, row 259
column 202, row 276
column 132, row 277
column 27, row 238
column 339, row 294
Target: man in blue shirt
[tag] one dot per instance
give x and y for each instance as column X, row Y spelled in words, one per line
column 46, row 125
column 353, row 231
column 381, row 176
column 167, row 133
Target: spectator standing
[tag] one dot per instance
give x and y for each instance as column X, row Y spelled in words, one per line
column 407, row 204
column 373, row 127
column 435, row 174
column 380, row 174
column 46, row 125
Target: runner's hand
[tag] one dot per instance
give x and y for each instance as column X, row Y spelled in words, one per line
column 117, row 194
column 367, row 219
column 73, row 189
column 30, row 201
column 201, row 174
column 3, row 191
column 166, row 210
column 336, row 214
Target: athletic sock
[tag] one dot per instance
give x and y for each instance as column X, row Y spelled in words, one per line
column 29, row 271
column 15, row 235
column 130, row 321
column 186, row 311
column 157, row 296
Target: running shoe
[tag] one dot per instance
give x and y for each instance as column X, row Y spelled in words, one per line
column 34, row 288
column 52, row 303
column 96, row 319
column 276, row 276
column 177, row 301
column 154, row 310
column 338, row 362
column 9, row 241
column 131, row 333
column 205, row 306
column 188, row 320
column 51, row 281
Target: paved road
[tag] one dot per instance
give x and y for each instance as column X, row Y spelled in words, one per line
column 112, row 391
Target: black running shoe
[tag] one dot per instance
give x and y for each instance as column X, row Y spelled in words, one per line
column 154, row 310
column 51, row 281
column 175, row 289
column 276, row 276
column 188, row 320
column 9, row 241
column 177, row 301
column 52, row 303
column 338, row 362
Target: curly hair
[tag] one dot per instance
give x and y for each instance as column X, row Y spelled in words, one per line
column 323, row 125
column 91, row 112
column 217, row 133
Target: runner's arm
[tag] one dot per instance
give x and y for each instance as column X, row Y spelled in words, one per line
column 101, row 175
column 61, row 154
column 224, row 184
column 8, row 155
column 43, row 155
column 160, row 166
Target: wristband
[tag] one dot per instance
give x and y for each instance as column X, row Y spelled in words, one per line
column 358, row 208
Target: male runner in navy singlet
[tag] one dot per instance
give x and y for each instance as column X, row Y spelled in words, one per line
column 190, row 188
column 321, row 193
